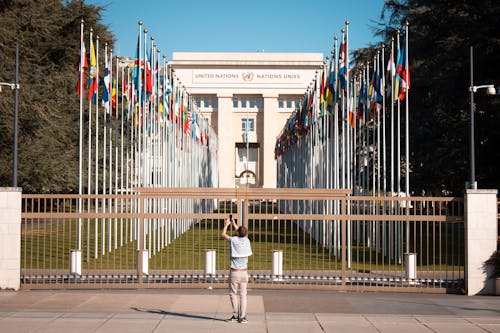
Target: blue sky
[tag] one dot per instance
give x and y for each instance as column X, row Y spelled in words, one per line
column 241, row 26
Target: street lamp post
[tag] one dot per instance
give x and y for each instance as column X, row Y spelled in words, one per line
column 15, row 88
column 490, row 90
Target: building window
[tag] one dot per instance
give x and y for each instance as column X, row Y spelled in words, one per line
column 248, row 103
column 288, row 103
column 206, row 103
column 297, row 103
column 250, row 122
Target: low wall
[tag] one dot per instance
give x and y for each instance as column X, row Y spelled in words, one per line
column 10, row 237
column 480, row 239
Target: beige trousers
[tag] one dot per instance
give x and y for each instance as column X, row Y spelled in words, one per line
column 238, row 281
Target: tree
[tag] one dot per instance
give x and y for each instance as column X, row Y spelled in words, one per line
column 48, row 33
column 441, row 33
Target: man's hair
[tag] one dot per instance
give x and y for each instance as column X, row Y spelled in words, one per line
column 242, row 231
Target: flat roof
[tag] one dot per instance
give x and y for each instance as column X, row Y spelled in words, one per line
column 242, row 58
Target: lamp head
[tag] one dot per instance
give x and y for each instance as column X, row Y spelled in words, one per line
column 490, row 90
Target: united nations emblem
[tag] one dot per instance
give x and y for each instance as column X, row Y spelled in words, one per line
column 247, row 76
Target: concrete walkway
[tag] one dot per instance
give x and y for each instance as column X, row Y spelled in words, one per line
column 271, row 311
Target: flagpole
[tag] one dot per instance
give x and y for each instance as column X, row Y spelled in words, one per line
column 392, row 228
column 121, row 141
column 398, row 136
column 392, row 115
column 407, row 106
column 348, row 109
column 104, row 166
column 407, row 139
column 89, row 144
column 398, row 158
column 335, row 107
column 144, row 122
column 110, row 110
column 96, row 241
column 384, row 150
column 80, row 149
column 114, row 93
column 377, row 68
column 384, row 153
column 140, row 114
column 343, row 157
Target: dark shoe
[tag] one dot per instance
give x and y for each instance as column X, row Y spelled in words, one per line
column 243, row 320
column 233, row 319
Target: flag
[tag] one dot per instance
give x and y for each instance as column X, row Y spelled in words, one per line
column 402, row 76
column 125, row 96
column 106, row 90
column 330, row 87
column 94, row 75
column 322, row 93
column 135, row 73
column 361, row 100
column 342, row 64
column 82, row 65
column 391, row 69
column 113, row 96
column 374, row 92
column 148, row 75
column 186, row 113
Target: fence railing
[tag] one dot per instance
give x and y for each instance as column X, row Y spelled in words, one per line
column 300, row 238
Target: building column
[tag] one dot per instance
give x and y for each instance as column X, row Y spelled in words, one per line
column 225, row 139
column 271, row 130
column 10, row 238
column 480, row 238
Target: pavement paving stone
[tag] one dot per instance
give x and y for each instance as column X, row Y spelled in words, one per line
column 123, row 325
column 73, row 325
column 21, row 325
column 269, row 311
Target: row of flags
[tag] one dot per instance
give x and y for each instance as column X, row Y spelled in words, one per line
column 154, row 84
column 144, row 130
column 328, row 92
column 139, row 108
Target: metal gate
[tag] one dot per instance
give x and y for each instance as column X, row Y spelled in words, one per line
column 301, row 238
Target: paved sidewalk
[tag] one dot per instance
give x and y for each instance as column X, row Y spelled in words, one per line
column 270, row 311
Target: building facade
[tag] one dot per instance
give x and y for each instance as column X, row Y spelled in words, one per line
column 247, row 98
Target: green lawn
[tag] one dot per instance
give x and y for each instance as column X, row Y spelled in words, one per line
column 47, row 246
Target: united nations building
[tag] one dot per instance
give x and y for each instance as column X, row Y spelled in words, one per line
column 246, row 98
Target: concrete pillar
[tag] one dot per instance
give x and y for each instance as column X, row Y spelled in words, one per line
column 225, row 139
column 210, row 261
column 480, row 238
column 277, row 261
column 10, row 237
column 272, row 128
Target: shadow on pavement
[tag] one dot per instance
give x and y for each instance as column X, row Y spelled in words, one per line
column 176, row 314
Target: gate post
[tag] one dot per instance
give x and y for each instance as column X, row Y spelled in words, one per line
column 210, row 262
column 10, row 237
column 480, row 238
column 277, row 265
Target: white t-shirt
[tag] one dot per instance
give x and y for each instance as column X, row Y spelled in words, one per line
column 239, row 252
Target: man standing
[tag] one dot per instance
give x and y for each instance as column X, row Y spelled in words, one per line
column 239, row 252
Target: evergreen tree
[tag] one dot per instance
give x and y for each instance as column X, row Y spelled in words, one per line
column 441, row 33
column 48, row 33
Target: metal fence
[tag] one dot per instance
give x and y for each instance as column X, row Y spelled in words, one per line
column 301, row 238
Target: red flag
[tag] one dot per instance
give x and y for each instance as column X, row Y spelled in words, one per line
column 94, row 76
column 81, row 68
